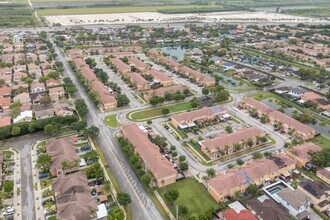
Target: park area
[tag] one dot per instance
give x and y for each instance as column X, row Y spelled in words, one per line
column 111, row 121
column 157, row 112
column 192, row 195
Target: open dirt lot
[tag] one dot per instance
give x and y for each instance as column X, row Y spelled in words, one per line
column 155, row 17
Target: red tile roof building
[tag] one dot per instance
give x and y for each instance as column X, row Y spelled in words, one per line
column 301, row 153
column 164, row 90
column 121, row 67
column 256, row 172
column 231, row 214
column 161, row 168
column 138, row 64
column 287, row 123
column 141, row 83
column 160, row 77
column 225, row 144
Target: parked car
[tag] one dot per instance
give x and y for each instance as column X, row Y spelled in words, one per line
column 46, row 200
column 18, row 181
column 43, row 175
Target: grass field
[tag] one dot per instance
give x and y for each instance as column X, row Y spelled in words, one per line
column 157, row 112
column 323, row 11
column 111, row 121
column 192, row 194
column 122, row 9
column 321, row 141
column 16, row 15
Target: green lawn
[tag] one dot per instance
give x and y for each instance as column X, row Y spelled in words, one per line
column 321, row 141
column 157, row 112
column 111, row 121
column 117, row 9
column 192, row 194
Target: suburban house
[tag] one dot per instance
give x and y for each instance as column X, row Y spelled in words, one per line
column 52, row 82
column 141, row 83
column 121, row 67
column 37, row 97
column 160, row 77
column 296, row 201
column 61, row 150
column 301, row 153
column 5, row 121
column 22, row 98
column 318, row 192
column 323, row 104
column 61, row 110
column 266, row 208
column 74, row 53
column 324, row 174
column 37, row 87
column 5, row 91
column 198, row 117
column 138, row 64
column 160, row 167
column 17, row 76
column 226, row 144
column 297, row 92
column 56, row 93
column 24, row 117
column 237, row 211
column 310, row 96
column 73, row 197
column 160, row 92
column 44, row 113
column 196, row 76
column 285, row 123
column 226, row 184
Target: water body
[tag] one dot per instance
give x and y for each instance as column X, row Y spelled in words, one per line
column 177, row 51
column 289, row 110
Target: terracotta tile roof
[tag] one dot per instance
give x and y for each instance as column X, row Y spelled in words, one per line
column 193, row 115
column 325, row 172
column 4, row 102
column 232, row 138
column 231, row 214
column 302, row 150
column 73, row 198
column 236, row 177
column 137, row 63
column 170, row 89
column 88, row 73
column 137, row 78
column 159, row 166
column 5, row 120
column 79, row 62
column 310, row 96
column 56, row 90
column 103, row 92
column 121, row 66
column 61, row 149
column 52, row 82
column 277, row 115
column 258, row 105
column 160, row 76
column 5, row 91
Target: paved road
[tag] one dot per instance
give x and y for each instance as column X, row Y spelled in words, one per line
column 142, row 207
column 23, row 145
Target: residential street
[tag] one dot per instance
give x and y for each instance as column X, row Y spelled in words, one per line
column 142, row 207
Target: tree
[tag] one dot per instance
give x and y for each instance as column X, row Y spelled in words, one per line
column 321, row 158
column 46, row 100
column 186, row 92
column 256, row 155
column 51, row 129
column 174, row 154
column 210, row 172
column 95, row 171
column 122, row 100
column 8, row 186
column 116, row 214
column 43, row 79
column 53, row 75
column 184, row 166
column 178, row 97
column 91, row 156
column 81, row 107
column 222, row 96
column 146, row 178
column 154, row 101
column 205, row 91
column 124, row 198
column 171, row 195
column 168, row 96
column 182, row 210
column 91, row 132
column 182, row 158
column 15, row 109
column 250, row 142
column 239, row 162
column 165, row 111
column 15, row 130
column 79, row 125
column 229, row 129
column 253, row 189
column 43, row 162
column 230, row 166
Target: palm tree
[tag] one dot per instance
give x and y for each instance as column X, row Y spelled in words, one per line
column 227, row 149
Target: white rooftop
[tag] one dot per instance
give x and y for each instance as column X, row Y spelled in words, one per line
column 102, row 211
column 23, row 115
column 237, row 206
